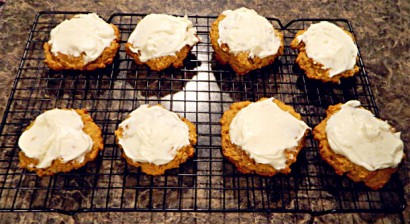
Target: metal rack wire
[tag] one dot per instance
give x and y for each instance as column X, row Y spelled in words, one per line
column 200, row 91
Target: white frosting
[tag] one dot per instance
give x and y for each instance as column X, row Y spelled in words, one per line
column 330, row 46
column 56, row 134
column 243, row 30
column 265, row 131
column 153, row 134
column 365, row 140
column 84, row 33
column 159, row 35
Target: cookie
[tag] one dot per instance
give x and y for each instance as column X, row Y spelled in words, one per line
column 263, row 137
column 245, row 40
column 160, row 41
column 59, row 140
column 85, row 42
column 357, row 144
column 326, row 52
column 156, row 139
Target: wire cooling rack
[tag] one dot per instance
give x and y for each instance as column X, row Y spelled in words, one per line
column 200, row 91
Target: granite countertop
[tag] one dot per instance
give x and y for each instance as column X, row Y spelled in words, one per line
column 381, row 29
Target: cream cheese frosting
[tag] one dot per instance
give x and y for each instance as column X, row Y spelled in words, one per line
column 265, row 131
column 56, row 134
column 85, row 34
column 158, row 35
column 330, row 46
column 243, row 30
column 365, row 140
column 153, row 134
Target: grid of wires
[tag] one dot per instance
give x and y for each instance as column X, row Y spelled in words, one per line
column 200, row 91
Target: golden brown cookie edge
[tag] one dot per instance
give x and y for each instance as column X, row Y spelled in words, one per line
column 163, row 62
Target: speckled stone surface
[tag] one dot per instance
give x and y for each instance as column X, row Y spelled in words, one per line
column 383, row 36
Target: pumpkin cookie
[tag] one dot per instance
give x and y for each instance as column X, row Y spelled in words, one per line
column 245, row 40
column 156, row 139
column 160, row 41
column 263, row 137
column 326, row 52
column 59, row 140
column 85, row 42
column 357, row 144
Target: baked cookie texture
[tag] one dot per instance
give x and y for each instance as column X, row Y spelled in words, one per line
column 342, row 165
column 67, row 62
column 57, row 166
column 182, row 155
column 240, row 158
column 240, row 63
column 163, row 62
column 313, row 69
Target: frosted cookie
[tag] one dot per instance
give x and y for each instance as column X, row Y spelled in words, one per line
column 160, row 41
column 156, row 139
column 326, row 52
column 245, row 40
column 84, row 42
column 263, row 137
column 59, row 140
column 359, row 145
